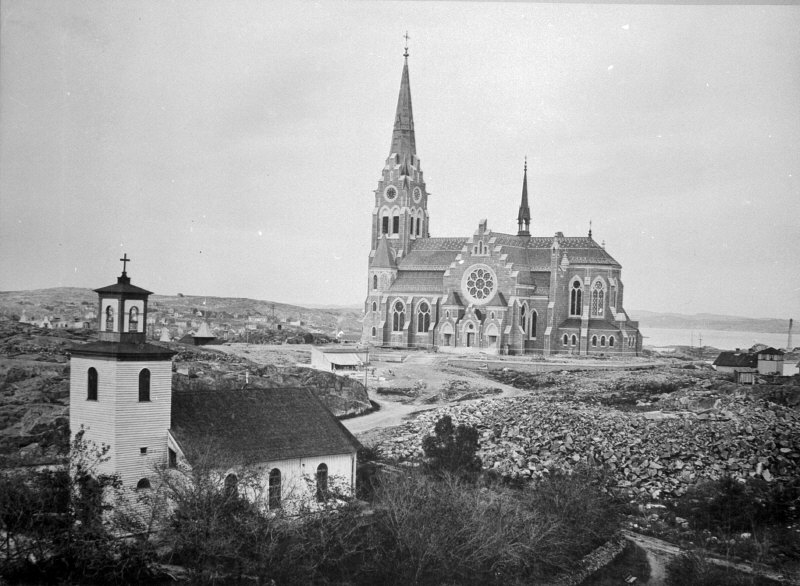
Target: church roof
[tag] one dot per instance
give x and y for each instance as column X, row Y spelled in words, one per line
column 257, row 425
column 498, row 300
column 417, row 281
column 122, row 351
column 403, row 142
column 384, row 258
column 123, row 285
column 453, row 299
column 432, row 253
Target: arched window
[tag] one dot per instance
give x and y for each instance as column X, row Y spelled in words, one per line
column 611, row 342
column 594, row 340
column 109, row 319
column 91, row 385
column 534, row 316
column 574, row 340
column 598, row 298
column 423, row 317
column 374, row 331
column 602, row 341
column 144, row 385
column 418, row 225
column 142, row 484
column 385, row 225
column 565, row 339
column 398, row 317
column 576, row 298
column 447, row 314
column 374, row 281
column 274, row 489
column 322, row 482
column 133, row 319
column 231, row 485
column 374, row 306
column 522, row 311
column 396, row 223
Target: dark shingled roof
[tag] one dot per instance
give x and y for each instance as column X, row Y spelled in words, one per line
column 123, row 285
column 740, row 359
column 123, row 351
column 257, row 425
column 417, row 281
column 432, row 253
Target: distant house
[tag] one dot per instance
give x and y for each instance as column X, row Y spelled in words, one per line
column 338, row 359
column 287, row 437
column 770, row 361
column 736, row 361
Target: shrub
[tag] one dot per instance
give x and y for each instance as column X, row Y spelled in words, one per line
column 693, row 569
column 452, row 449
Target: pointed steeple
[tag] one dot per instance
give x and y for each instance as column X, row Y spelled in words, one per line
column 403, row 142
column 524, row 216
column 383, row 259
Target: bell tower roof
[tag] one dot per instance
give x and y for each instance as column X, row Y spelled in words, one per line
column 403, row 141
column 524, row 215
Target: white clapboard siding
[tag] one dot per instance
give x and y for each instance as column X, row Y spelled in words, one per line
column 118, row 419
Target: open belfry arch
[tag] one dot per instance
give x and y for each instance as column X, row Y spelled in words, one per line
column 490, row 292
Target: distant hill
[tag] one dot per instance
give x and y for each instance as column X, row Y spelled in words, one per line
column 708, row 321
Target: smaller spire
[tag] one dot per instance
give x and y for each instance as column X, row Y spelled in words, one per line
column 406, row 37
column 524, row 215
column 590, row 228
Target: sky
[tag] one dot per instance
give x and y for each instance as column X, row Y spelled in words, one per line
column 233, row 148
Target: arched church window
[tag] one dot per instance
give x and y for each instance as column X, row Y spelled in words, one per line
column 385, row 225
column 411, row 226
column 447, row 314
column 374, row 306
column 322, row 483
column 274, row 489
column 374, row 281
column 144, row 483
column 374, row 332
column 91, row 384
column 522, row 312
column 396, row 224
column 598, row 298
column 398, row 317
column 144, row 385
column 133, row 319
column 109, row 319
column 423, row 317
column 491, row 315
column 611, row 342
column 418, row 225
column 576, row 298
column 574, row 340
column 534, row 316
column 565, row 340
column 594, row 341
column 602, row 341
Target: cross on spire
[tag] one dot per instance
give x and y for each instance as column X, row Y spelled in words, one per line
column 406, row 37
column 125, row 260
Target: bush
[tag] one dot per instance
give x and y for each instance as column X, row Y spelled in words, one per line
column 452, row 449
column 693, row 569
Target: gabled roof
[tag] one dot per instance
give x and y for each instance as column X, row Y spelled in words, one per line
column 740, row 359
column 498, row 300
column 417, row 281
column 384, row 258
column 432, row 253
column 257, row 425
column 772, row 352
column 453, row 299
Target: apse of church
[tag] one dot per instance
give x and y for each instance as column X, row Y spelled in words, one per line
column 489, row 292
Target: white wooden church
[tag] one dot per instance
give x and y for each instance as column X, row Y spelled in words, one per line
column 121, row 396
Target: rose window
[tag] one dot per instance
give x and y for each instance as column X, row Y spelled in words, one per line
column 479, row 284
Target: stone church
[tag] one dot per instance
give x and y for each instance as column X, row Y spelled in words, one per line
column 489, row 292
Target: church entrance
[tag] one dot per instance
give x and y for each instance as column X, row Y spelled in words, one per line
column 470, row 339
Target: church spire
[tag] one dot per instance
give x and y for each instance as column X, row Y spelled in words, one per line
column 403, row 142
column 524, row 216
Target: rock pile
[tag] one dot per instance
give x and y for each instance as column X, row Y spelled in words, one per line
column 647, row 454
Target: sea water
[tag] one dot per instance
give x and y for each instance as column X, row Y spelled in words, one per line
column 722, row 339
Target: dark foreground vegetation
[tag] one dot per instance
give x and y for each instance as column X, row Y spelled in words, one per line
column 438, row 523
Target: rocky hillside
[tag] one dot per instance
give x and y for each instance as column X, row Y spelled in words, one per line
column 34, row 386
column 687, row 431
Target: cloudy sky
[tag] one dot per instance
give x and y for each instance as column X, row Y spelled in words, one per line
column 232, row 148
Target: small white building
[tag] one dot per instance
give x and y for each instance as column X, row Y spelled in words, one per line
column 334, row 359
column 770, row 361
